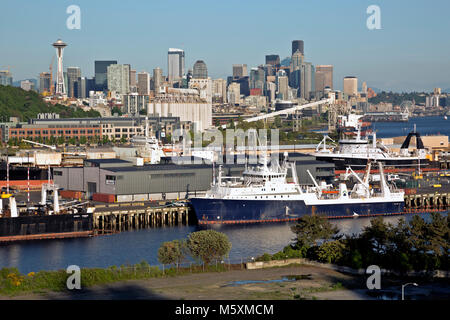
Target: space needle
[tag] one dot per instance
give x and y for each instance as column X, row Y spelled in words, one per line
column 59, row 45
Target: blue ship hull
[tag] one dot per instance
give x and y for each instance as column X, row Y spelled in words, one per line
column 213, row 211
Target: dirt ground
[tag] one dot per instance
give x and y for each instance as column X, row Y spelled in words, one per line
column 293, row 282
column 279, row 283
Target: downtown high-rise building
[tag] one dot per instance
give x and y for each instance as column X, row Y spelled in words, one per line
column 101, row 74
column 6, row 78
column 118, row 76
column 44, row 82
column 274, row 60
column 219, row 90
column 297, row 60
column 200, row 70
column 257, row 78
column 282, row 82
column 143, row 83
column 175, row 64
column 133, row 78
column 239, row 70
column 324, row 77
column 351, row 86
column 307, row 82
column 73, row 80
column 157, row 80
column 298, row 45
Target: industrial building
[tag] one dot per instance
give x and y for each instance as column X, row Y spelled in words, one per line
column 125, row 181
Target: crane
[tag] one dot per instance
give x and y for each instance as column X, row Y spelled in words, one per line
column 51, row 75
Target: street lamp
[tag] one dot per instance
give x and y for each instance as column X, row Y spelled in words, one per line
column 403, row 288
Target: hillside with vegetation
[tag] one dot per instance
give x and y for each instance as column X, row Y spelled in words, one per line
column 25, row 105
column 397, row 98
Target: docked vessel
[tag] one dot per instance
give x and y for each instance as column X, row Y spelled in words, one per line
column 48, row 219
column 263, row 194
column 358, row 150
column 148, row 146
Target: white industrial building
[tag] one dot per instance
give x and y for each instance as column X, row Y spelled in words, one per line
column 185, row 104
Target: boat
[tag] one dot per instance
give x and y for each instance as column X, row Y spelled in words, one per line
column 148, row 146
column 355, row 151
column 264, row 194
column 48, row 219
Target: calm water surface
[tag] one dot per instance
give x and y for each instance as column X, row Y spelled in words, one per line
column 134, row 246
column 424, row 125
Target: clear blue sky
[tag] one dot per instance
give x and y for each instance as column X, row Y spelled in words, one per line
column 411, row 52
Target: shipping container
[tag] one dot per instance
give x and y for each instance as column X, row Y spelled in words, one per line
column 103, row 197
column 140, row 197
column 410, row 191
column 69, row 194
column 124, row 198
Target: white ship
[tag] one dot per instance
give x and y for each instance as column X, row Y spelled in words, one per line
column 148, row 146
column 357, row 151
column 263, row 194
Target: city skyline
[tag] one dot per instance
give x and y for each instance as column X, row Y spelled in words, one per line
column 383, row 58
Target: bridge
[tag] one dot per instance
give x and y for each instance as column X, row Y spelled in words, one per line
column 286, row 111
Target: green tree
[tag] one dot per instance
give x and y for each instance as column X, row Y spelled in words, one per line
column 310, row 229
column 208, row 245
column 172, row 252
column 331, row 251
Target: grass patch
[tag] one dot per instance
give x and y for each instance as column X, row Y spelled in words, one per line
column 12, row 282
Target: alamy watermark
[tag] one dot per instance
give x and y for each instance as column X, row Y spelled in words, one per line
column 374, row 20
column 374, row 281
column 74, row 20
column 229, row 146
column 74, row 280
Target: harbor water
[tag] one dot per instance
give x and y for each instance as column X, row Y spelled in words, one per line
column 424, row 125
column 132, row 247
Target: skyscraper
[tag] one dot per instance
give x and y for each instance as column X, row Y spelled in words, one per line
column 296, row 60
column 257, row 78
column 6, row 78
column 118, row 76
column 143, row 83
column 175, row 64
column 273, row 59
column 73, row 77
column 44, row 82
column 326, row 73
column 157, row 78
column 60, row 86
column 101, row 72
column 132, row 78
column 307, row 80
column 351, row 85
column 298, row 45
column 200, row 70
column 239, row 70
column 282, row 82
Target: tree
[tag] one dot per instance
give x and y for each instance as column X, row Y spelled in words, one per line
column 172, row 252
column 208, row 245
column 377, row 235
column 331, row 251
column 310, row 229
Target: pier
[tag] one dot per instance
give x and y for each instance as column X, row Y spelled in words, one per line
column 437, row 201
column 112, row 218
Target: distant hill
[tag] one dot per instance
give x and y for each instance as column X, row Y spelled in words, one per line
column 397, row 98
column 16, row 102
